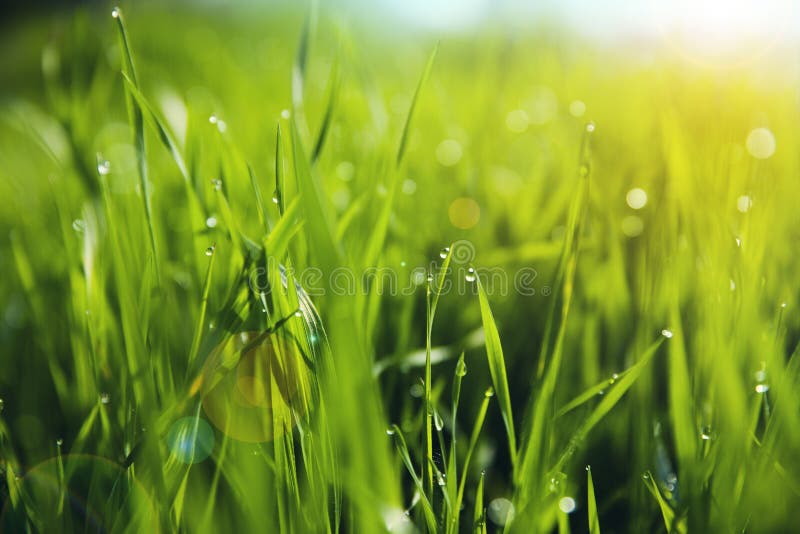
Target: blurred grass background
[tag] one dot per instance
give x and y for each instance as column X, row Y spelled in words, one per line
column 96, row 334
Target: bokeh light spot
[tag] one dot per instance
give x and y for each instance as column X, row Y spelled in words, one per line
column 761, row 143
column 190, row 440
column 449, row 152
column 464, row 213
column 636, row 198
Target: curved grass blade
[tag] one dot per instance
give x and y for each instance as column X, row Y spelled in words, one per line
column 327, row 118
column 497, row 368
column 402, row 448
column 610, row 399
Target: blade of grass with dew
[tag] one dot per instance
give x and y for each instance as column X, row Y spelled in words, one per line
column 497, row 369
column 537, row 422
column 280, row 173
column 607, row 403
column 671, row 522
column 402, row 448
column 473, row 441
column 431, row 302
column 479, row 514
column 137, row 129
column 201, row 319
column 355, row 391
column 594, row 522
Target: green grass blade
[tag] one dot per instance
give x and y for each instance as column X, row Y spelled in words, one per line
column 497, row 368
column 594, row 522
column 403, row 144
column 137, row 129
column 607, row 403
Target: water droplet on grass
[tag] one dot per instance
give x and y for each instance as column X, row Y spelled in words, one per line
column 115, row 12
column 444, row 252
column 744, row 203
column 762, row 388
column 59, row 442
column 705, row 433
column 390, row 431
column 489, row 392
column 461, row 368
column 285, row 114
column 210, row 250
column 103, row 165
column 590, row 127
column 437, row 421
column 79, row 225
column 217, row 183
column 211, row 222
column 667, row 333
column 470, row 276
column 105, row 398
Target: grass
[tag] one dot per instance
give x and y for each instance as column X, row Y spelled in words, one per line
column 180, row 353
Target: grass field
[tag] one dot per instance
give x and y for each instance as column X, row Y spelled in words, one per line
column 281, row 270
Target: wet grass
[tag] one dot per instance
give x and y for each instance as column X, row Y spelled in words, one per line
column 240, row 292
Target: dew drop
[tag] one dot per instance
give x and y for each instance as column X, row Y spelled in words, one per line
column 298, row 313
column 590, row 127
column 115, row 12
column 2, row 405
column 285, row 114
column 444, row 252
column 762, row 388
column 211, row 222
column 588, row 468
column 59, row 442
column 437, row 421
column 79, row 225
column 213, row 119
column 667, row 333
column 705, row 433
column 390, row 431
column 430, row 278
column 461, row 368
column 489, row 392
column 217, row 183
column 210, row 250
column 275, row 199
column 105, row 398
column 470, row 276
column 103, row 165
column 416, row 390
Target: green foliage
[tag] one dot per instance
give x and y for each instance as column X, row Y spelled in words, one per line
column 180, row 354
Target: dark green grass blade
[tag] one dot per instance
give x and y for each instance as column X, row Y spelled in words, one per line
column 594, row 523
